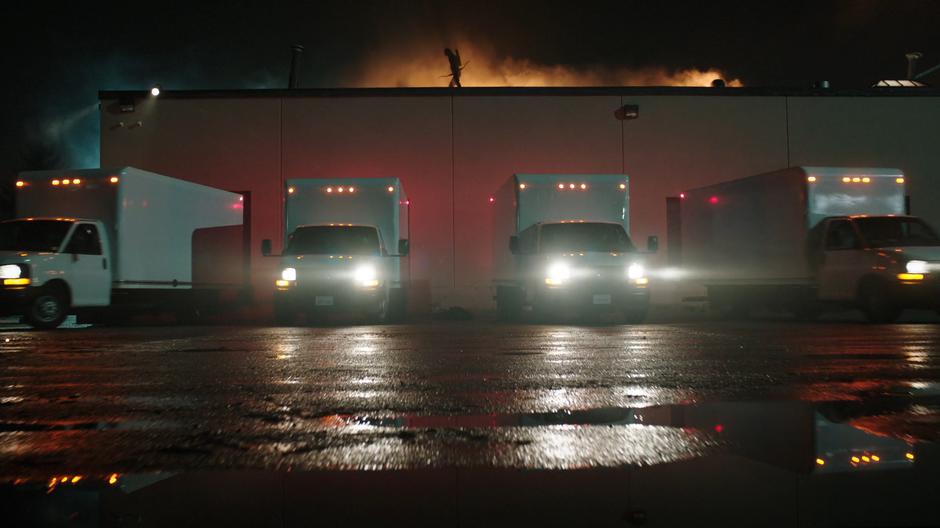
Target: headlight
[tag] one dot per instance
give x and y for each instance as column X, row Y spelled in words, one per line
column 916, row 266
column 289, row 274
column 636, row 271
column 557, row 274
column 10, row 271
column 366, row 276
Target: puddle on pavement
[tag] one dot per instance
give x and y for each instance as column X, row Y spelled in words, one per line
column 726, row 463
column 721, row 490
column 64, row 425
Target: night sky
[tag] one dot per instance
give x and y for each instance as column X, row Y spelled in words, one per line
column 58, row 57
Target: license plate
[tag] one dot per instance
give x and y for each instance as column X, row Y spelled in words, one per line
column 324, row 300
column 602, row 298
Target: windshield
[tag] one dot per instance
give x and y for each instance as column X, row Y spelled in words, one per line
column 896, row 231
column 585, row 237
column 334, row 240
column 33, row 235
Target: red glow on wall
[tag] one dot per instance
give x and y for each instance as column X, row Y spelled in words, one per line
column 492, row 199
column 713, row 200
column 682, row 196
column 719, row 428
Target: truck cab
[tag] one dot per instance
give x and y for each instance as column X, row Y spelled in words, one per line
column 569, row 250
column 576, row 265
column 345, row 249
column 50, row 266
column 883, row 263
column 332, row 267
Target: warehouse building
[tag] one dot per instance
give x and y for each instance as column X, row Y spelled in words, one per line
column 453, row 149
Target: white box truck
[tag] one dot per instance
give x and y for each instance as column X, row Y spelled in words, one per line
column 89, row 240
column 562, row 245
column 806, row 238
column 345, row 250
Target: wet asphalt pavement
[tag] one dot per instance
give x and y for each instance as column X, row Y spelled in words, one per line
column 422, row 403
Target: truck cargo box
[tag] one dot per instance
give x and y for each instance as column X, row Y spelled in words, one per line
column 526, row 199
column 379, row 202
column 160, row 228
column 755, row 229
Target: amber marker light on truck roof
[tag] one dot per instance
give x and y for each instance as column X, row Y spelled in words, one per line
column 911, row 277
column 56, row 182
column 114, row 179
column 390, row 189
column 811, row 179
column 866, row 180
column 290, row 190
column 846, row 179
column 20, row 183
column 623, row 186
column 76, row 181
column 899, row 180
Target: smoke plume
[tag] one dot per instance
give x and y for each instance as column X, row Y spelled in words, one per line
column 428, row 67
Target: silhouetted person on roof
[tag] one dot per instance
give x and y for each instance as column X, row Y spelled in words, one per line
column 455, row 66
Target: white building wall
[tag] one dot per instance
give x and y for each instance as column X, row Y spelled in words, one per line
column 453, row 152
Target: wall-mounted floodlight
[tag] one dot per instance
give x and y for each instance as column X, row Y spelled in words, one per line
column 155, row 91
column 625, row 112
column 126, row 104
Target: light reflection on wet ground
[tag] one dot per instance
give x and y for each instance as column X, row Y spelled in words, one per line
column 470, row 397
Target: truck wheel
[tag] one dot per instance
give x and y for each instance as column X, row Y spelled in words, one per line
column 878, row 306
column 381, row 316
column 508, row 303
column 635, row 315
column 398, row 305
column 48, row 308
column 283, row 316
column 807, row 310
column 188, row 315
column 731, row 311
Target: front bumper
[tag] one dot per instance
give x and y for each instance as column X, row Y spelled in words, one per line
column 329, row 298
column 600, row 296
column 917, row 294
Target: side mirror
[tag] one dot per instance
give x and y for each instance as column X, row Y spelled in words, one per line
column 74, row 257
column 514, row 245
column 652, row 243
column 404, row 247
column 266, row 247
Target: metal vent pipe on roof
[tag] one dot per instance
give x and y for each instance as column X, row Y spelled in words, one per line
column 912, row 63
column 297, row 51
